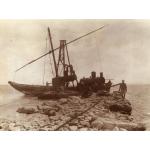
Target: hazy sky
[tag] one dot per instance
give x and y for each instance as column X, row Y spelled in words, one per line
column 120, row 50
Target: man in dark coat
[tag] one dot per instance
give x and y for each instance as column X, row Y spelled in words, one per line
column 101, row 82
column 108, row 85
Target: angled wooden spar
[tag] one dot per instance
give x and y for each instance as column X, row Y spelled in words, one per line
column 50, row 40
column 58, row 48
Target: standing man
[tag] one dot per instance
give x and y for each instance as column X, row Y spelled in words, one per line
column 101, row 81
column 108, row 85
column 123, row 89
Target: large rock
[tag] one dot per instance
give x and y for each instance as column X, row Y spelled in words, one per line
column 63, row 101
column 131, row 126
column 74, row 122
column 116, row 129
column 109, row 125
column 83, row 129
column 75, row 98
column 73, row 128
column 105, row 124
column 26, row 110
column 122, row 129
column 48, row 111
column 13, row 127
column 89, row 119
column 85, row 123
column 44, row 129
column 98, row 124
column 55, row 107
column 5, row 126
column 121, row 106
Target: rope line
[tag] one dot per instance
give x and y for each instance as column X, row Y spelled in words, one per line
column 58, row 48
column 44, row 64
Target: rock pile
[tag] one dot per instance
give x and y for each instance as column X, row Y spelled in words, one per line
column 66, row 114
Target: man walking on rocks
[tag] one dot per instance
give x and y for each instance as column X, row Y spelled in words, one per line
column 123, row 89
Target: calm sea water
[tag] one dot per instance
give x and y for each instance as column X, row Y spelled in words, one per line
column 139, row 96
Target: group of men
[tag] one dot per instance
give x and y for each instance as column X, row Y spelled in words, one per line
column 95, row 84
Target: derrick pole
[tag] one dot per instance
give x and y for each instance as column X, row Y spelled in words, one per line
column 52, row 50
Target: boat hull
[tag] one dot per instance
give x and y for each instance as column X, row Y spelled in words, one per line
column 32, row 90
column 41, row 91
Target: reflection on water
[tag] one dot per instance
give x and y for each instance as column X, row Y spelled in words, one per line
column 7, row 95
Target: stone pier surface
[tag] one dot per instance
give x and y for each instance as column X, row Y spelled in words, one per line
column 96, row 113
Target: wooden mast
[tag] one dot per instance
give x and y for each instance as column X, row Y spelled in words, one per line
column 53, row 54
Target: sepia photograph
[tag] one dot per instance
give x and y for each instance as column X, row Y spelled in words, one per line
column 75, row 75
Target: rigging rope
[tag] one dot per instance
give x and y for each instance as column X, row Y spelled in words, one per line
column 44, row 64
column 51, row 65
column 44, row 72
column 58, row 48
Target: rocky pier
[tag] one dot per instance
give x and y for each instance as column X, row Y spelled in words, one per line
column 95, row 113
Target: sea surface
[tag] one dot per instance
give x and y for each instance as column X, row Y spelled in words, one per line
column 138, row 95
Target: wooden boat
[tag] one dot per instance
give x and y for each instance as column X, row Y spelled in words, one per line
column 32, row 90
column 62, row 82
column 42, row 91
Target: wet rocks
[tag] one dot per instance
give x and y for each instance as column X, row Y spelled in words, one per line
column 108, row 115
